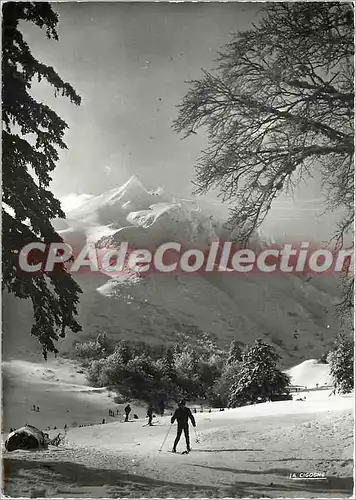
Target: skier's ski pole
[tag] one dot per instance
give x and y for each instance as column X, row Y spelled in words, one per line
column 196, row 436
column 165, row 439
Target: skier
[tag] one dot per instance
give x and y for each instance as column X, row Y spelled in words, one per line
column 182, row 414
column 150, row 414
column 127, row 412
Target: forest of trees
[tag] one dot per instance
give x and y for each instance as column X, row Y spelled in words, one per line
column 234, row 377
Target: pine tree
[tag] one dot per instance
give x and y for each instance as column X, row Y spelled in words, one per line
column 168, row 365
column 31, row 135
column 235, row 352
column 259, row 375
column 341, row 360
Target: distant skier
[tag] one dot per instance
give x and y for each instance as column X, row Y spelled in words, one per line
column 182, row 414
column 127, row 412
column 150, row 414
column 34, row 408
column 38, row 408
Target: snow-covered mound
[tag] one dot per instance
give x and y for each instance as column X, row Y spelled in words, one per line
column 310, row 374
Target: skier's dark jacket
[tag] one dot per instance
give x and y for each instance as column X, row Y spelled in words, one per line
column 150, row 411
column 127, row 409
column 181, row 415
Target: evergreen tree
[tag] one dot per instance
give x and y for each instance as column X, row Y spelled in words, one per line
column 235, row 352
column 341, row 360
column 168, row 365
column 31, row 134
column 259, row 375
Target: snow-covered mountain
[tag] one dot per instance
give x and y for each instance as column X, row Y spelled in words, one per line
column 151, row 216
column 297, row 316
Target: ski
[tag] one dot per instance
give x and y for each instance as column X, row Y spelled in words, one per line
column 177, row 452
column 153, row 424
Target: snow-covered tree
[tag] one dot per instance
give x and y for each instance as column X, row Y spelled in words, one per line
column 235, row 352
column 277, row 107
column 341, row 360
column 168, row 366
column 258, row 375
column 279, row 101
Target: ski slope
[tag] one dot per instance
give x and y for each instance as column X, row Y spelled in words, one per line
column 241, row 453
column 248, row 451
column 310, row 373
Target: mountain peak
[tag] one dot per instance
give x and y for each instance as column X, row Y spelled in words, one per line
column 134, row 181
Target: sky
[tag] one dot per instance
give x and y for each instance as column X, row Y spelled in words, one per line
column 130, row 63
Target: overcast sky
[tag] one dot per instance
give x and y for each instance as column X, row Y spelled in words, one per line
column 129, row 62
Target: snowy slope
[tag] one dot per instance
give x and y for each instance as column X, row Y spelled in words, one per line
column 309, row 373
column 59, row 388
column 240, row 453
